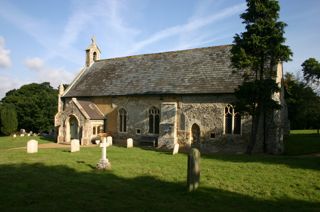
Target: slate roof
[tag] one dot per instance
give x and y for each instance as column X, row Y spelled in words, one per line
column 91, row 109
column 194, row 71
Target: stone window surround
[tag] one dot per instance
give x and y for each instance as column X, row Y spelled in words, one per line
column 122, row 120
column 233, row 120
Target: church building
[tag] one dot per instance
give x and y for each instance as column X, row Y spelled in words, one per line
column 183, row 97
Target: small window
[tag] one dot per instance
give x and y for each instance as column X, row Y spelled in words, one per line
column 94, row 130
column 212, row 135
column 138, row 131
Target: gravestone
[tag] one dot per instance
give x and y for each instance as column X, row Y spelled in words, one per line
column 75, row 145
column 32, row 146
column 193, row 178
column 104, row 163
column 21, row 135
column 129, row 143
column 175, row 149
column 14, row 135
column 109, row 141
column 97, row 142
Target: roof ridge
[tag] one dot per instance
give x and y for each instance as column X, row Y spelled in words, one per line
column 166, row 52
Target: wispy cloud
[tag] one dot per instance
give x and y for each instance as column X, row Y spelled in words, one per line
column 190, row 26
column 5, row 60
column 8, row 83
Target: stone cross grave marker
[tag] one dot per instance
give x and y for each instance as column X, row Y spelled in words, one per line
column 129, row 143
column 32, row 146
column 193, row 178
column 175, row 149
column 104, row 162
column 75, row 145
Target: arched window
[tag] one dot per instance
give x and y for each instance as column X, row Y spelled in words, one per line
column 122, row 120
column 94, row 56
column 154, row 120
column 232, row 121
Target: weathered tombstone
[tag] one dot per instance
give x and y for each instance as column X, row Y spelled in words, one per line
column 75, row 145
column 22, row 131
column 21, row 135
column 193, row 178
column 14, row 135
column 109, row 141
column 104, row 162
column 28, row 134
column 97, row 142
column 32, row 146
column 129, row 143
column 175, row 149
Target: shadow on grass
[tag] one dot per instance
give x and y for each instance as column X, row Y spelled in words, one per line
column 37, row 187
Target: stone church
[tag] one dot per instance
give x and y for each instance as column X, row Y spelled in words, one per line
column 173, row 97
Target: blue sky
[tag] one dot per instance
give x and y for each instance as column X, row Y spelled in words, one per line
column 45, row 40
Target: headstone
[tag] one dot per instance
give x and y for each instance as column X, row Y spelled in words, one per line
column 21, row 135
column 28, row 134
column 104, row 163
column 14, row 135
column 129, row 143
column 32, row 146
column 75, row 145
column 175, row 149
column 193, row 178
column 97, row 142
column 109, row 141
column 22, row 131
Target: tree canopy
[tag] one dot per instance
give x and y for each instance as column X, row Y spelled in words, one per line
column 9, row 121
column 35, row 104
column 255, row 53
column 311, row 70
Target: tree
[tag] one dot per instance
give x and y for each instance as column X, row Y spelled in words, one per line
column 303, row 104
column 36, row 105
column 255, row 53
column 9, row 122
column 311, row 70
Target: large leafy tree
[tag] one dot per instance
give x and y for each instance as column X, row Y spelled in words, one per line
column 311, row 70
column 36, row 105
column 255, row 53
column 9, row 121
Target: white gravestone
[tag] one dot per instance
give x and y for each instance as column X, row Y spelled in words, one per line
column 104, row 162
column 75, row 145
column 21, row 135
column 175, row 149
column 109, row 141
column 97, row 142
column 32, row 146
column 14, row 135
column 129, row 143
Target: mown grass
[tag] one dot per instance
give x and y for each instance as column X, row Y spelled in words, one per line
column 302, row 142
column 147, row 180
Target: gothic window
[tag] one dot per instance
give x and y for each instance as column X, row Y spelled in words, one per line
column 154, row 120
column 232, row 121
column 122, row 120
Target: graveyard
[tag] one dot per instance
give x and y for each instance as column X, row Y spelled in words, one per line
column 147, row 179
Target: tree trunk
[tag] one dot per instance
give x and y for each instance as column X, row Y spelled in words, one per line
column 254, row 130
column 264, row 132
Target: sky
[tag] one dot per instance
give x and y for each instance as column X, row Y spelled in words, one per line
column 45, row 41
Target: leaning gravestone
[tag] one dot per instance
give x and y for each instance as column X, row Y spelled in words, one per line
column 175, row 149
column 32, row 146
column 75, row 145
column 129, row 143
column 193, row 178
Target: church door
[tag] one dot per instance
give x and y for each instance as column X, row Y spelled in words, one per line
column 195, row 130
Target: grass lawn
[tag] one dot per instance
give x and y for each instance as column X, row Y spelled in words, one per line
column 147, row 180
column 302, row 142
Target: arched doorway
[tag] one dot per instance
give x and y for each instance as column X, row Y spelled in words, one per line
column 74, row 128
column 195, row 131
